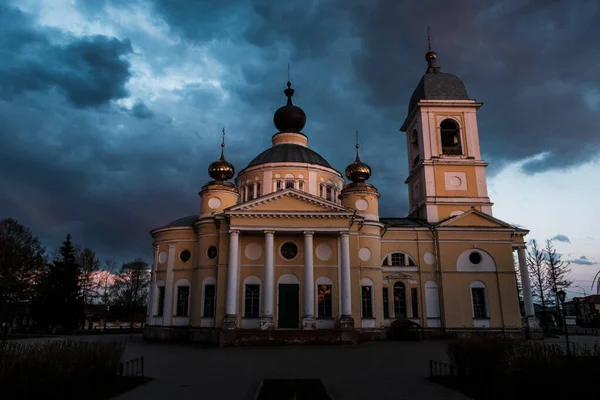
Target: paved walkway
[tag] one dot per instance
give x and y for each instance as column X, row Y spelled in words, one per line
column 384, row 370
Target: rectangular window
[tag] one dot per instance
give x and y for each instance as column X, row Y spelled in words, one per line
column 321, row 191
column 329, row 191
column 251, row 302
column 250, row 189
column 160, row 307
column 183, row 293
column 414, row 302
column 301, row 185
column 367, row 302
column 397, row 259
column 278, row 185
column 289, row 184
column 325, row 307
column 210, row 292
column 258, row 192
column 479, row 307
column 386, row 303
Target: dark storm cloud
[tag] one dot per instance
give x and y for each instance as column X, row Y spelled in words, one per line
column 583, row 260
column 561, row 238
column 108, row 175
column 90, row 71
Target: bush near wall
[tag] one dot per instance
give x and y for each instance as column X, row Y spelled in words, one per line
column 489, row 367
column 62, row 369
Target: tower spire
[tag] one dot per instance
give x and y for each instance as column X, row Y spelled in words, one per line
column 430, row 56
column 357, row 146
column 223, row 144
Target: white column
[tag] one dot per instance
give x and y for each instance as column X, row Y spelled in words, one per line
column 309, row 280
column 525, row 285
column 346, row 288
column 152, row 293
column 269, row 285
column 232, row 274
column 255, row 189
column 168, row 312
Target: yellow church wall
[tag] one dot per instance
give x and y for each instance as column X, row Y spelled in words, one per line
column 473, row 220
column 289, row 203
column 227, row 199
column 223, row 259
column 445, row 210
column 300, row 223
column 440, row 180
column 501, row 253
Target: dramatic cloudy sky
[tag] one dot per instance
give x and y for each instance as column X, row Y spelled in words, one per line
column 110, row 111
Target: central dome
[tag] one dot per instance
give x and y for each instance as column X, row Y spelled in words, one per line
column 289, row 118
column 289, row 153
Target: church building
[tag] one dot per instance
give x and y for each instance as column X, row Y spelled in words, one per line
column 292, row 248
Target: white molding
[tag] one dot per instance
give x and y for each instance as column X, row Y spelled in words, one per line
column 240, row 209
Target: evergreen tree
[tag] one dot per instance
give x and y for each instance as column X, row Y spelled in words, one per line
column 59, row 301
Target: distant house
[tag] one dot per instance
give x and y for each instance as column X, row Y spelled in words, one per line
column 585, row 309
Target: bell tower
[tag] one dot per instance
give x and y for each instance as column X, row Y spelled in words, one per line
column 446, row 173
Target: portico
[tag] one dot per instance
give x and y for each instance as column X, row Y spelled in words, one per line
column 302, row 267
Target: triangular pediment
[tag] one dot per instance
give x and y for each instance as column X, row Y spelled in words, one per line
column 289, row 201
column 475, row 218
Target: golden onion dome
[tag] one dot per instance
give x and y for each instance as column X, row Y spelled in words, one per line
column 358, row 171
column 221, row 170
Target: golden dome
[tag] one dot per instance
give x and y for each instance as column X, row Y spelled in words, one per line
column 358, row 171
column 221, row 170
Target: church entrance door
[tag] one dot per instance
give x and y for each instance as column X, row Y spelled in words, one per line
column 288, row 310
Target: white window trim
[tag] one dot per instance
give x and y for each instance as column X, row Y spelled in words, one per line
column 182, row 283
column 405, row 299
column 480, row 285
column 252, row 280
column 324, row 280
column 209, row 280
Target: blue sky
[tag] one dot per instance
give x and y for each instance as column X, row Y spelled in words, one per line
column 110, row 111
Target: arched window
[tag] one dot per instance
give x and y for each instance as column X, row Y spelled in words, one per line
column 366, row 297
column 414, row 146
column 252, row 297
column 479, row 300
column 398, row 259
column 450, row 135
column 183, row 298
column 324, row 297
column 160, row 299
column 399, row 300
column 209, row 296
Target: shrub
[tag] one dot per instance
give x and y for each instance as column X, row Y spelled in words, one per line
column 60, row 367
column 498, row 368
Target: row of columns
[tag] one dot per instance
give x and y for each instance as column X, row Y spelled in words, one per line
column 267, row 320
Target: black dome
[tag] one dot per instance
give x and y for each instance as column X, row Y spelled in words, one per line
column 438, row 86
column 289, row 118
column 291, row 153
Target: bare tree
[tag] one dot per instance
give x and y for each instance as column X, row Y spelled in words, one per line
column 538, row 275
column 558, row 272
column 88, row 268
column 131, row 286
column 106, row 279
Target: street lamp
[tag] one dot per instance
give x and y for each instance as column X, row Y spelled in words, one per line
column 561, row 297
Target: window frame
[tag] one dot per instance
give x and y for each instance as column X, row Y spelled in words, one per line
column 213, row 300
column 179, row 304
column 482, row 312
column 455, row 149
column 366, row 302
column 414, row 302
column 386, row 302
column 160, row 300
column 254, row 300
column 401, row 304
column 322, row 308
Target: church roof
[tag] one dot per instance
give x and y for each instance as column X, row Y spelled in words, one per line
column 183, row 221
column 435, row 85
column 291, row 153
column 403, row 222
